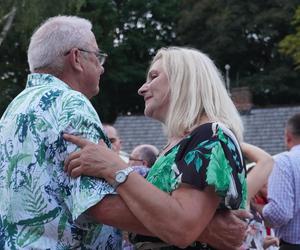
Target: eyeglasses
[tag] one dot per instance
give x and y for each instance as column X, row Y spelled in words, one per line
column 101, row 56
column 113, row 140
column 135, row 159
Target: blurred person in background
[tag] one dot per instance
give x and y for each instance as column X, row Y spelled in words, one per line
column 282, row 212
column 116, row 142
column 259, row 236
column 143, row 155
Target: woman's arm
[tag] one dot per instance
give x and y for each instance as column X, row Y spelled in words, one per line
column 226, row 230
column 177, row 219
column 258, row 176
column 113, row 211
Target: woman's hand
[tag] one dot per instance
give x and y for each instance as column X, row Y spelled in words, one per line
column 92, row 160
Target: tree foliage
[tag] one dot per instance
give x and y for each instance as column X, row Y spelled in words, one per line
column 244, row 34
column 290, row 45
column 13, row 58
column 128, row 30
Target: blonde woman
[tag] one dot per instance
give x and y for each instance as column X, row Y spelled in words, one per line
column 200, row 170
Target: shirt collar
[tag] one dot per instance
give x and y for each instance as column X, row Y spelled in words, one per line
column 38, row 79
column 296, row 147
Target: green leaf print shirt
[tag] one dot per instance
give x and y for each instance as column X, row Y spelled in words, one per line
column 209, row 156
column 40, row 206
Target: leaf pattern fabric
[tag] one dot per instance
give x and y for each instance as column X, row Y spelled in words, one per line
column 209, row 156
column 40, row 206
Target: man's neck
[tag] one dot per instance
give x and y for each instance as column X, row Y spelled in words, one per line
column 47, row 71
column 293, row 144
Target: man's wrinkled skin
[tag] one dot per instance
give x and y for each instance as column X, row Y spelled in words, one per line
column 228, row 230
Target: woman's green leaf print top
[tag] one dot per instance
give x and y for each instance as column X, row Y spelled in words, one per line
column 40, row 206
column 206, row 157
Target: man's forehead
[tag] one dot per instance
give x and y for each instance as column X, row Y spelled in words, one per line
column 111, row 131
column 93, row 43
column 135, row 154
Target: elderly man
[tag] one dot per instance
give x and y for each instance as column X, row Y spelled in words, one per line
column 40, row 206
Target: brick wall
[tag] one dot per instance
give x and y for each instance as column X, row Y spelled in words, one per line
column 242, row 98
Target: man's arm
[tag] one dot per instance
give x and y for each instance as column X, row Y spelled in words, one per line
column 227, row 230
column 280, row 207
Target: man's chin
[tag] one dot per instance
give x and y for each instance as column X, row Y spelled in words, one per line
column 97, row 91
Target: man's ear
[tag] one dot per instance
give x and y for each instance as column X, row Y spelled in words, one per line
column 145, row 163
column 288, row 138
column 76, row 59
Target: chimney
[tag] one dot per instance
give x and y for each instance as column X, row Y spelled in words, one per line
column 242, row 98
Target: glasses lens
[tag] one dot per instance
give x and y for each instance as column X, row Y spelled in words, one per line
column 102, row 58
column 134, row 159
column 112, row 140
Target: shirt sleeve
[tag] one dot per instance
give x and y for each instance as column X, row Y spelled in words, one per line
column 280, row 207
column 77, row 117
column 214, row 161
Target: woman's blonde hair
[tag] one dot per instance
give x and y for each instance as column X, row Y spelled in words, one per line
column 196, row 89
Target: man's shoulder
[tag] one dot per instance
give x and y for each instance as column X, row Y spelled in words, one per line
column 287, row 162
column 71, row 94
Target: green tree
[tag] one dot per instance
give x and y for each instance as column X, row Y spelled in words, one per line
column 245, row 35
column 13, row 58
column 290, row 45
column 140, row 29
column 128, row 30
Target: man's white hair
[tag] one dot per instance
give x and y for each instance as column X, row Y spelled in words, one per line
column 55, row 37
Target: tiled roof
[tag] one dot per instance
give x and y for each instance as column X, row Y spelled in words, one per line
column 136, row 130
column 263, row 127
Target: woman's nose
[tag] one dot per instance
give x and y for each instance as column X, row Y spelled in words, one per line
column 142, row 89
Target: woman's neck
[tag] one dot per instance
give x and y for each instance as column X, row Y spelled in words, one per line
column 204, row 119
column 172, row 141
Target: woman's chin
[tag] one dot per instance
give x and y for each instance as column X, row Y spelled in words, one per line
column 149, row 112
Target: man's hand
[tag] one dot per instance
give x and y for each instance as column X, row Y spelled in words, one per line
column 227, row 230
column 270, row 241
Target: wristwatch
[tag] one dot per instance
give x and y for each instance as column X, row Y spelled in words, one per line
column 121, row 176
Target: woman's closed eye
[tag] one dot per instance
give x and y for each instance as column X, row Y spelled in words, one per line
column 152, row 75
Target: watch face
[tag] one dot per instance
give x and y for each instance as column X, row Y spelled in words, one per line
column 121, row 177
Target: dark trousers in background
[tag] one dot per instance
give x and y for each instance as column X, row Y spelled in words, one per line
column 287, row 246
